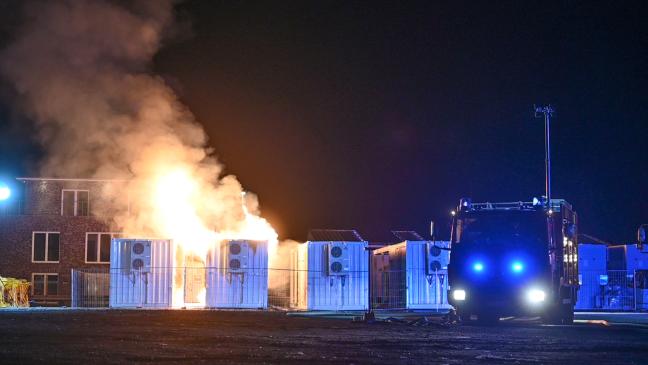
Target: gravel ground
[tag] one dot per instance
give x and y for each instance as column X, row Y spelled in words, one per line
column 239, row 337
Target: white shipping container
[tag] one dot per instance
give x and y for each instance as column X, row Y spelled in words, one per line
column 141, row 273
column 411, row 275
column 636, row 259
column 330, row 275
column 592, row 257
column 592, row 268
column 237, row 274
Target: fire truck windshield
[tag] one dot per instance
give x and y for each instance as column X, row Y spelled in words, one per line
column 501, row 228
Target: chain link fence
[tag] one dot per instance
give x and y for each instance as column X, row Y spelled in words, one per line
column 285, row 289
column 613, row 290
column 641, row 289
column 279, row 289
column 90, row 288
column 410, row 289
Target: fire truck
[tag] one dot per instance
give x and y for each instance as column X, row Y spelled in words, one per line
column 514, row 259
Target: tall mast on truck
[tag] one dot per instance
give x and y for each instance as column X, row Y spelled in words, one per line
column 547, row 111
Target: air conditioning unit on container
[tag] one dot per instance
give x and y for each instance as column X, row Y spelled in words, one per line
column 236, row 255
column 338, row 258
column 136, row 255
column 436, row 258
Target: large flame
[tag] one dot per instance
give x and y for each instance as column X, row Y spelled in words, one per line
column 175, row 196
column 182, row 203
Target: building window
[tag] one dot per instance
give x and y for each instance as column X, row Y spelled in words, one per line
column 98, row 247
column 46, row 246
column 44, row 284
column 75, row 202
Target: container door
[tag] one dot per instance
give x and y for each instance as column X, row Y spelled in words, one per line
column 194, row 285
column 236, row 289
column 194, row 280
column 337, row 292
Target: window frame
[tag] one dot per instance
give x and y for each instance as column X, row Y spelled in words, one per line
column 85, row 255
column 47, row 233
column 46, row 276
column 75, row 204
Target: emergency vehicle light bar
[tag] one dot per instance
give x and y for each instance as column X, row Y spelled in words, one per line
column 536, row 204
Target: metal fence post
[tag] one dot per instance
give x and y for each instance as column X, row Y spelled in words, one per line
column 184, row 279
column 634, row 288
column 72, row 296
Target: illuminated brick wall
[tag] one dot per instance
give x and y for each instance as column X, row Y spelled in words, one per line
column 42, row 212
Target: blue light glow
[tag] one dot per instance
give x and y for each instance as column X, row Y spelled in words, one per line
column 517, row 267
column 5, row 193
column 478, row 266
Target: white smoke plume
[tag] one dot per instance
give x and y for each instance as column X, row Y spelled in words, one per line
column 282, row 264
column 81, row 72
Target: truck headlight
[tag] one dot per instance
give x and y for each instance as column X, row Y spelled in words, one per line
column 459, row 294
column 535, row 295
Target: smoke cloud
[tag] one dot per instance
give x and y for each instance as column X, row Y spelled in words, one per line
column 81, row 72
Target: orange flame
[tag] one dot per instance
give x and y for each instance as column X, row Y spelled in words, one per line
column 182, row 204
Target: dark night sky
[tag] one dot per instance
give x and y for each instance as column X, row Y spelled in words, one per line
column 340, row 115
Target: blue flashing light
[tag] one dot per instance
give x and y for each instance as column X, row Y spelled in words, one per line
column 478, row 267
column 517, row 267
column 5, row 193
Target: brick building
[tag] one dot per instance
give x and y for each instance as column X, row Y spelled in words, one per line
column 50, row 226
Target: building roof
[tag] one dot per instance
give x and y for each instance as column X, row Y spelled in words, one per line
column 347, row 235
column 67, row 179
column 407, row 236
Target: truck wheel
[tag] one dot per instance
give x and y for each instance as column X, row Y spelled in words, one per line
column 563, row 314
column 567, row 315
column 453, row 316
column 552, row 316
column 462, row 315
column 487, row 318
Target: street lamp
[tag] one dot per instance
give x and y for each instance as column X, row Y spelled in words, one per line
column 641, row 236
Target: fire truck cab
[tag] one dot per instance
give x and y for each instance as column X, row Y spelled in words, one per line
column 514, row 259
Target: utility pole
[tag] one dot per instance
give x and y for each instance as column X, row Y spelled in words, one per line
column 546, row 111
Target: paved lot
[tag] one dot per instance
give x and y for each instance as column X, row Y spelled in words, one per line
column 148, row 337
column 614, row 317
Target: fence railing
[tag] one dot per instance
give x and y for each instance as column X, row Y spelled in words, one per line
column 613, row 290
column 286, row 289
column 90, row 288
column 409, row 289
column 282, row 289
